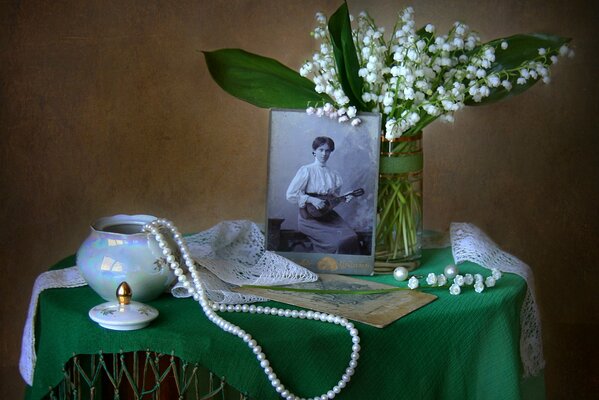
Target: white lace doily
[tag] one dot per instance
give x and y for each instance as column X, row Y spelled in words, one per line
column 61, row 278
column 232, row 253
column 469, row 243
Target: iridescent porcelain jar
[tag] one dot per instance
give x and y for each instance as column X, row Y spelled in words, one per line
column 117, row 250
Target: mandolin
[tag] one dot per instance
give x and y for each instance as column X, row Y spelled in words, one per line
column 331, row 201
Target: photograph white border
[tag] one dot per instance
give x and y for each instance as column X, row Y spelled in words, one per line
column 355, row 159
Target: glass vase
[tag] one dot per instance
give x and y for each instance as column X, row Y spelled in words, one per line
column 399, row 204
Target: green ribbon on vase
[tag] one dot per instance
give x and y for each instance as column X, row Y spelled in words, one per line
column 411, row 163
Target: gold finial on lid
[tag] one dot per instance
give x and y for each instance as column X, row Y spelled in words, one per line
column 123, row 293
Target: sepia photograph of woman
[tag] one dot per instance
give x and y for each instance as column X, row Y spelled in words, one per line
column 316, row 190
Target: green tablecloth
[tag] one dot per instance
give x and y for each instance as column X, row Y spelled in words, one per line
column 457, row 347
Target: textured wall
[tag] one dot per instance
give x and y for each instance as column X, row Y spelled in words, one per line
column 107, row 107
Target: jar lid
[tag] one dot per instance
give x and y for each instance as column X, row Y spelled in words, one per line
column 124, row 314
column 123, row 317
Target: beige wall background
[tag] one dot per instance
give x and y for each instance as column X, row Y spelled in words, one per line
column 107, row 107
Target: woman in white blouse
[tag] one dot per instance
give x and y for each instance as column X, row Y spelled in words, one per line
column 329, row 233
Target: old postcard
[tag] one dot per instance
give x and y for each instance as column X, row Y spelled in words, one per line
column 377, row 310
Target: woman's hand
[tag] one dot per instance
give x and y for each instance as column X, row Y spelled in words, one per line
column 349, row 198
column 316, row 202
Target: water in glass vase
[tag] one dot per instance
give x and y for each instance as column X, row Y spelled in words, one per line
column 399, row 206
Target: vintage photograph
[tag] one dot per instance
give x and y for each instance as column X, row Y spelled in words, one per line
column 322, row 188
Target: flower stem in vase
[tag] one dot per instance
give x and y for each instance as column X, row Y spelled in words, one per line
column 399, row 219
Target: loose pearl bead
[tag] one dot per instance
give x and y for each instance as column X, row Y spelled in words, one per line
column 400, row 274
column 451, row 271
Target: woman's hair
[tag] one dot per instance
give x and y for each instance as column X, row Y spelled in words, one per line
column 319, row 141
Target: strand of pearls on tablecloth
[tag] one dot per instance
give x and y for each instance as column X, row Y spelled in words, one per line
column 196, row 289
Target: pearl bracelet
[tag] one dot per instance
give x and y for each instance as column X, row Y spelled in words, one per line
column 210, row 308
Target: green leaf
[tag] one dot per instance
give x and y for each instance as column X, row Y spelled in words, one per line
column 261, row 81
column 521, row 49
column 346, row 57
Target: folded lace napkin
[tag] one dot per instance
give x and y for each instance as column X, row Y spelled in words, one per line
column 469, row 243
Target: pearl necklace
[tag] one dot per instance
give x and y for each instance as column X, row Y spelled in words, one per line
column 196, row 289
